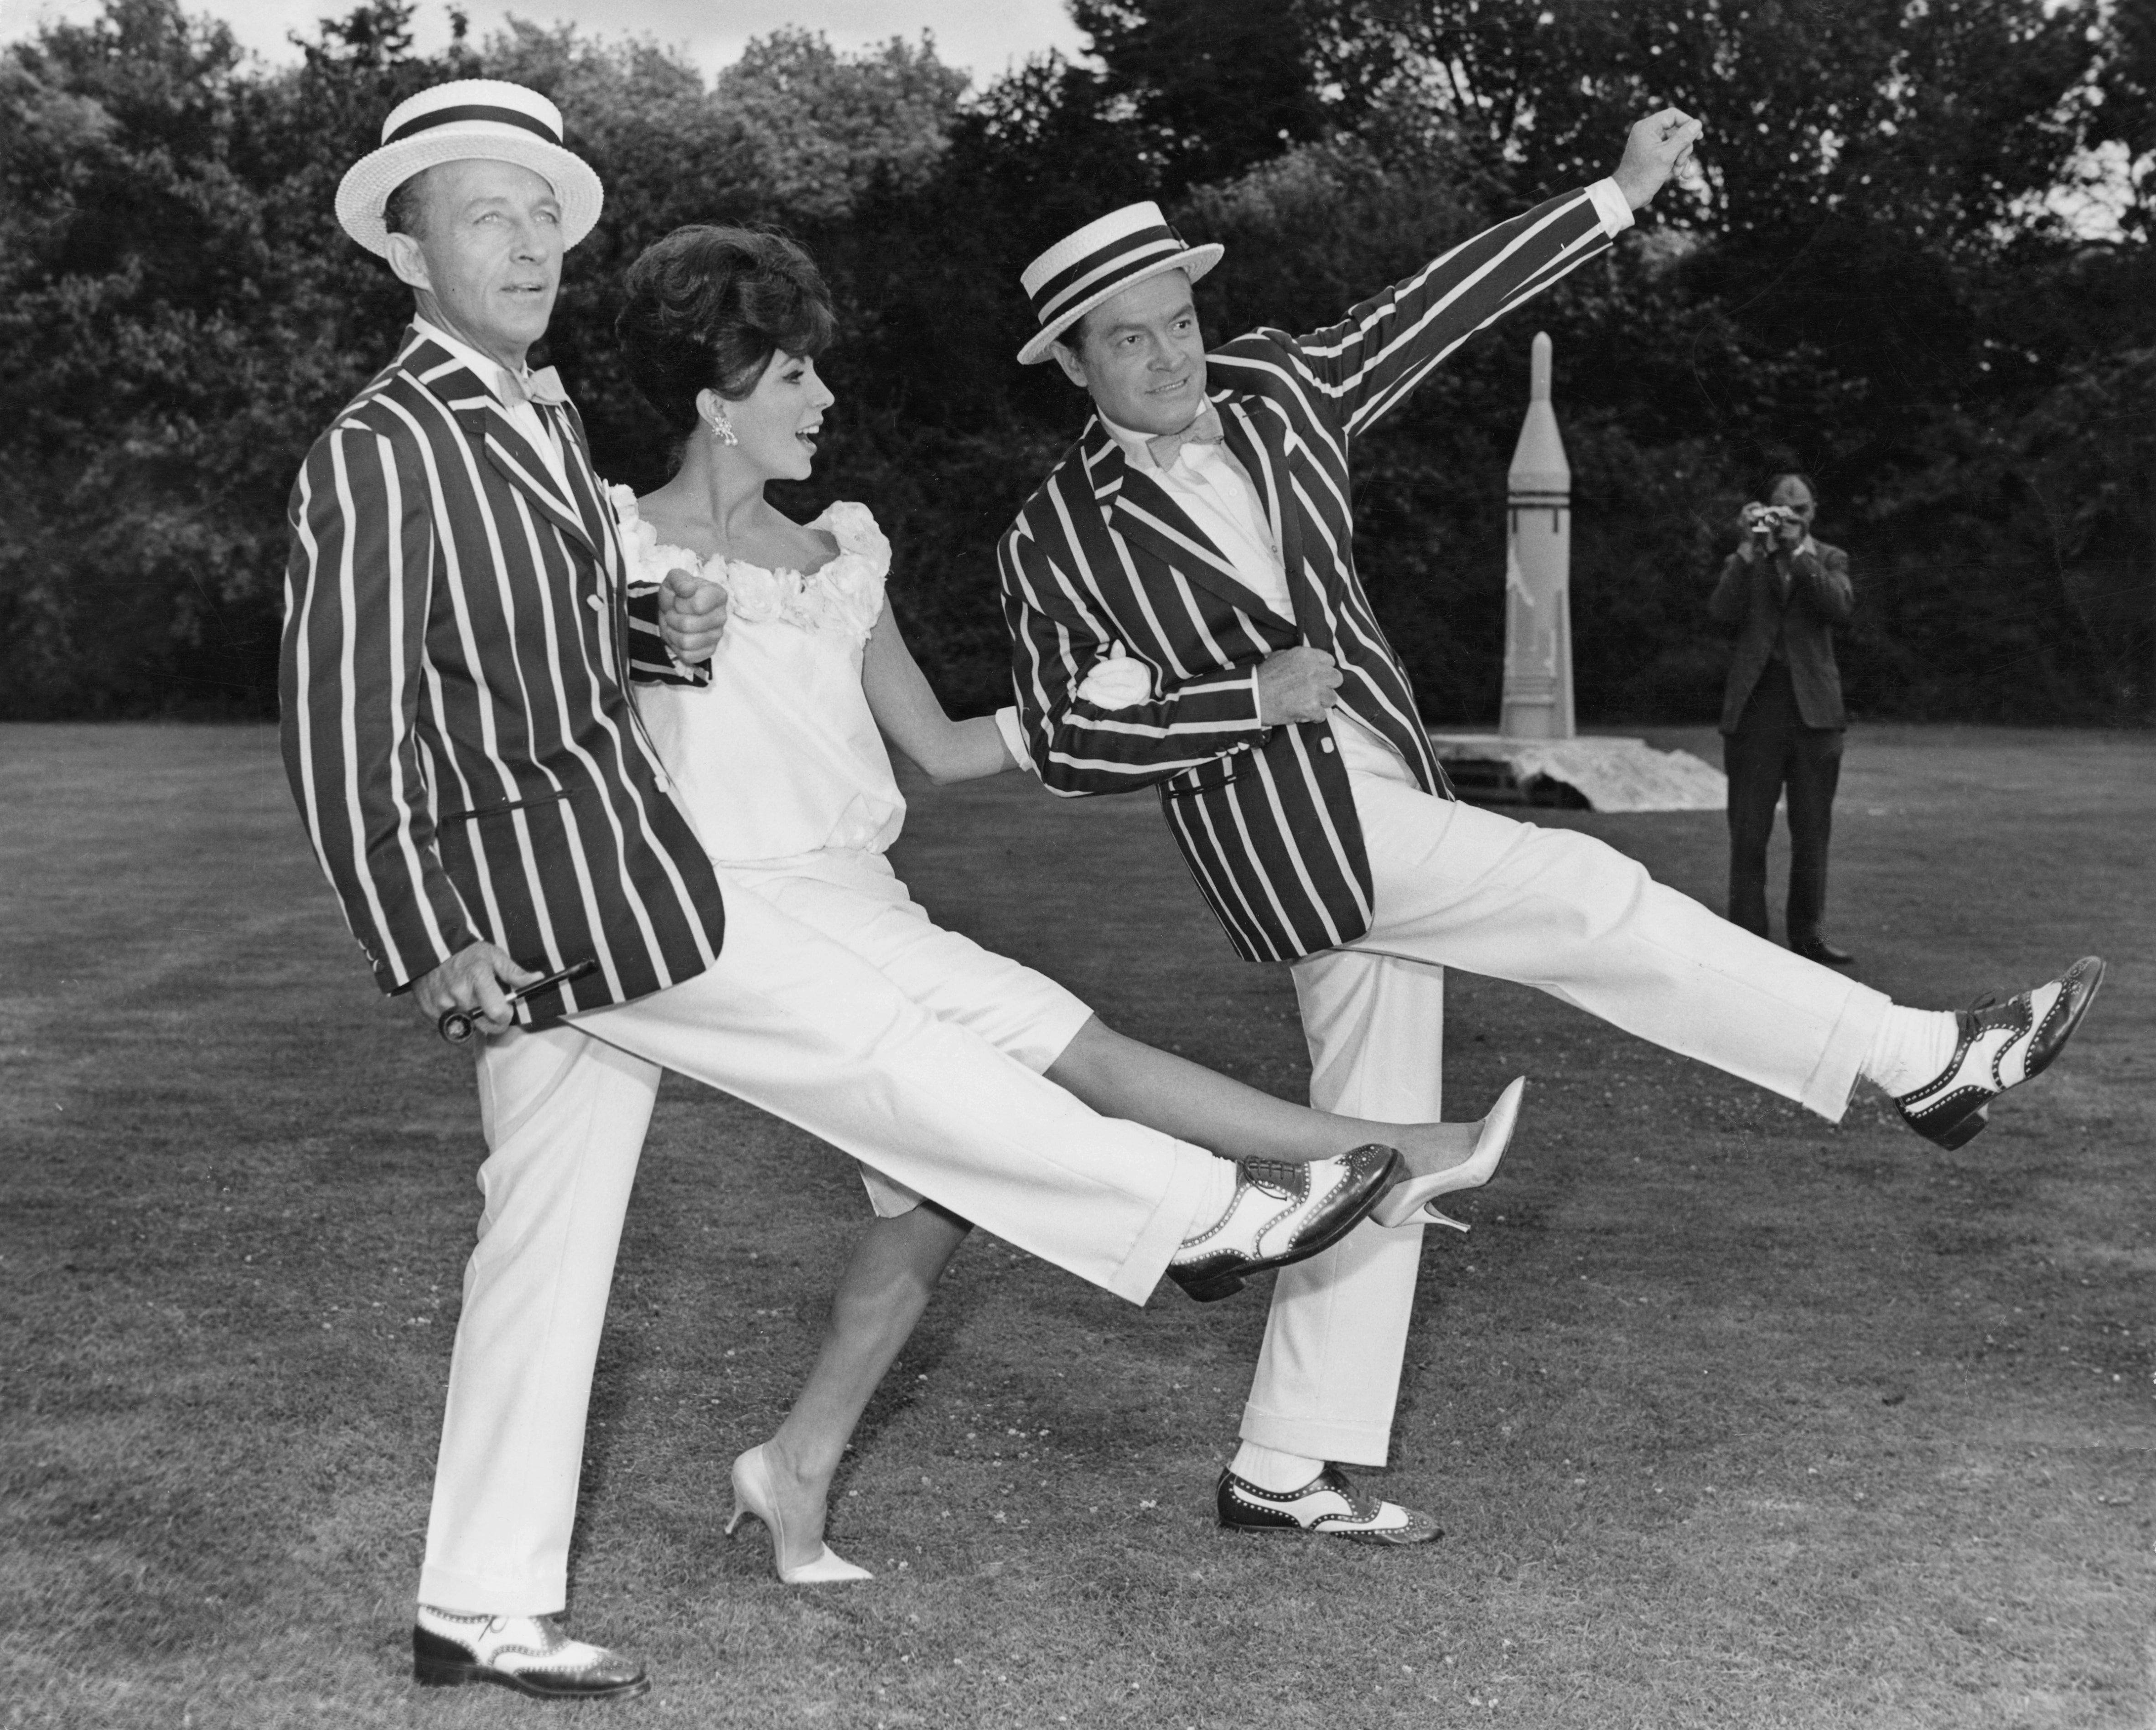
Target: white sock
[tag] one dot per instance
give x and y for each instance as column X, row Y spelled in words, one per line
column 1911, row 1047
column 1274, row 1470
column 1214, row 1201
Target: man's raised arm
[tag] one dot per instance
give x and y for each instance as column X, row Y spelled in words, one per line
column 1386, row 345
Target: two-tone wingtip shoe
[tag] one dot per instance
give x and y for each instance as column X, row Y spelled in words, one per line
column 1282, row 1212
column 2001, row 1045
column 1327, row 1507
column 529, row 1654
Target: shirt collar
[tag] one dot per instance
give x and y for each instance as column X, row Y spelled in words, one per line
column 486, row 369
column 1134, row 445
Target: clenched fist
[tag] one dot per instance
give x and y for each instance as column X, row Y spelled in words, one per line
column 1656, row 147
column 1298, row 684
column 692, row 614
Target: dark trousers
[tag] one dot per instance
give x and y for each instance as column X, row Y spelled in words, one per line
column 1771, row 749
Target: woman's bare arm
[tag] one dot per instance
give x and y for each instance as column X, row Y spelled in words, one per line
column 906, row 709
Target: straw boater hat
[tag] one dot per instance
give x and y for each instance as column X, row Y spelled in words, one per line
column 1098, row 263
column 472, row 117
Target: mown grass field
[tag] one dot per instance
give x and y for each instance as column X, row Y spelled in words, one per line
column 1732, row 1418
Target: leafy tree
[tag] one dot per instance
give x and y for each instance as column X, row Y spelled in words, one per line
column 1870, row 278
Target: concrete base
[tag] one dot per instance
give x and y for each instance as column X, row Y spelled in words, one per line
column 1598, row 774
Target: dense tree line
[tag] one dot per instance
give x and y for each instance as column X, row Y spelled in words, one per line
column 1883, row 273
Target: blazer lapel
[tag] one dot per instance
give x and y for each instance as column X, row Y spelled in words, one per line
column 480, row 413
column 1139, row 510
column 1259, row 442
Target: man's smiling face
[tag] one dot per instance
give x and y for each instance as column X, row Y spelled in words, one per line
column 1141, row 356
column 487, row 262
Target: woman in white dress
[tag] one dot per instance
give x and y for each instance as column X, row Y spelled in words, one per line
column 780, row 761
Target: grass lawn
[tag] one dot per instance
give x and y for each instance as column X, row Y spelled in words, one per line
column 1732, row 1418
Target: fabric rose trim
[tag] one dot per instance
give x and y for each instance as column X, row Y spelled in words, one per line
column 844, row 595
column 1117, row 682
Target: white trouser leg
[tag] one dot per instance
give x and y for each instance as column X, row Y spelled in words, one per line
column 1552, row 908
column 564, row 1117
column 856, row 900
column 791, row 1022
column 1328, row 1377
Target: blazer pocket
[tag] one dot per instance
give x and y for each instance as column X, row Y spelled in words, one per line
column 1215, row 772
column 505, row 807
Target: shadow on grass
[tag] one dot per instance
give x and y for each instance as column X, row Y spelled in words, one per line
column 1733, row 1418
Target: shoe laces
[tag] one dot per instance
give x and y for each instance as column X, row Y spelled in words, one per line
column 1276, row 1177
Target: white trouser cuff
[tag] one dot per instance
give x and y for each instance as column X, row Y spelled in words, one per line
column 1317, row 1438
column 543, row 1594
column 1834, row 1078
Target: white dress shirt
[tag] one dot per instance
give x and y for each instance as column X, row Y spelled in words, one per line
column 525, row 414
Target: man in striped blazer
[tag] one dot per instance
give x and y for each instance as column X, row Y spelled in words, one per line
column 460, row 737
column 1186, row 614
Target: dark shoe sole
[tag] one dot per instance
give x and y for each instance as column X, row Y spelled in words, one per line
column 1962, row 1132
column 447, row 1673
column 1375, row 1540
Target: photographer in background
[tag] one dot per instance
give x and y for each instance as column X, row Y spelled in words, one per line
column 1782, row 718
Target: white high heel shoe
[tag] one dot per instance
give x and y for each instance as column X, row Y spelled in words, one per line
column 1415, row 1195
column 755, row 1494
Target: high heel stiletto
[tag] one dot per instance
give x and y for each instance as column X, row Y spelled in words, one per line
column 1415, row 1195
column 754, row 1493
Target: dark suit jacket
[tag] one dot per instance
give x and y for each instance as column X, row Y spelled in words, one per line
column 457, row 721
column 1102, row 554
column 1820, row 598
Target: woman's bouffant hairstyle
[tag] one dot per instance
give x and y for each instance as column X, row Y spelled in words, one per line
column 706, row 309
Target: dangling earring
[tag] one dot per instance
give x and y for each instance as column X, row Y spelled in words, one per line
column 722, row 429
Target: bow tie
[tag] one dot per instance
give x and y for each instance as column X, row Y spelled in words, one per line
column 544, row 386
column 1203, row 429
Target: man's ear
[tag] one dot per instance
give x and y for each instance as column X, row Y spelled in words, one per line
column 409, row 262
column 1073, row 369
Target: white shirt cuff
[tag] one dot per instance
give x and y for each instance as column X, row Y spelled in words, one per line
column 1610, row 206
column 1014, row 739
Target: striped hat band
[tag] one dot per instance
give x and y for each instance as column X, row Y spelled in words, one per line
column 1126, row 256
column 474, row 111
column 1099, row 261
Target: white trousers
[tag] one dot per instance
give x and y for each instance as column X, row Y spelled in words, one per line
column 1460, row 887
column 858, row 902
column 791, row 1022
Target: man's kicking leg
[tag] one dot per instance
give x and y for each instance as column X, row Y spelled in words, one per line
column 1565, row 913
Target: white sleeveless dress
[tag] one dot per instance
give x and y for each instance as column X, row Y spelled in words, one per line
column 778, row 764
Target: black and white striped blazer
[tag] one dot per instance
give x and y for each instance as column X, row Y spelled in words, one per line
column 1101, row 554
column 457, row 728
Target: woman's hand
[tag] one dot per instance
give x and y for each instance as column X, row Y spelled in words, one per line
column 692, row 614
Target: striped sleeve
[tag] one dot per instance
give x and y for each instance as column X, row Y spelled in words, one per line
column 1360, row 369
column 350, row 675
column 650, row 661
column 1078, row 747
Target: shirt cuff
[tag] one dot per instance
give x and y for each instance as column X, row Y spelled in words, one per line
column 1015, row 740
column 1610, row 206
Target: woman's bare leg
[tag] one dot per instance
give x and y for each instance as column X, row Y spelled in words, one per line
column 1119, row 1077
column 898, row 1261
column 884, row 1289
